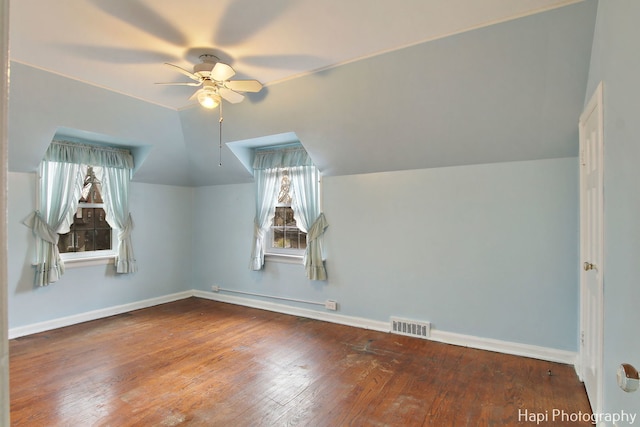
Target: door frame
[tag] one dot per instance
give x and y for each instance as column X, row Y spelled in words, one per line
column 595, row 106
column 4, row 106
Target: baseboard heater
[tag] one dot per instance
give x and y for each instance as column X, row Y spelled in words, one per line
column 411, row 328
column 254, row 294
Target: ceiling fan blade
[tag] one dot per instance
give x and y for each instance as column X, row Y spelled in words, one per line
column 195, row 95
column 145, row 18
column 180, row 84
column 222, row 72
column 231, row 96
column 185, row 72
column 244, row 85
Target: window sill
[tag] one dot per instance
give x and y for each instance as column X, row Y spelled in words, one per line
column 283, row 258
column 88, row 260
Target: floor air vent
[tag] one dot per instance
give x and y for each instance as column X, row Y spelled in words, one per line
column 410, row 328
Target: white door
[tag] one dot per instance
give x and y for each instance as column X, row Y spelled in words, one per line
column 591, row 248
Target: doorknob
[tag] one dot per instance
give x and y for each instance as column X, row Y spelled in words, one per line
column 589, row 266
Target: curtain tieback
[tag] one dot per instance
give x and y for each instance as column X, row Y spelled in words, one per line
column 258, row 233
column 317, row 228
column 41, row 228
column 126, row 231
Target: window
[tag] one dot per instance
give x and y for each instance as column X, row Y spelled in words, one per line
column 90, row 230
column 83, row 211
column 285, row 232
column 285, row 237
column 288, row 217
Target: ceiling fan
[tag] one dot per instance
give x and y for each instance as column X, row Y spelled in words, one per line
column 214, row 76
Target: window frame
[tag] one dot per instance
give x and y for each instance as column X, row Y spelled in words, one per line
column 288, row 255
column 87, row 258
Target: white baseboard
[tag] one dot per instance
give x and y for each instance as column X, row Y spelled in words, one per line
column 93, row 315
column 507, row 347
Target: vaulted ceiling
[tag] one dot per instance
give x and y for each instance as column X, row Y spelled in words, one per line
column 364, row 86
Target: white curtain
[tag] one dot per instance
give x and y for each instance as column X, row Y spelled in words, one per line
column 115, row 189
column 62, row 173
column 305, row 185
column 59, row 193
column 266, row 188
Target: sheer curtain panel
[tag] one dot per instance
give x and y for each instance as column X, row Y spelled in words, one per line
column 62, row 173
column 266, row 187
column 115, row 185
column 305, row 184
column 59, row 192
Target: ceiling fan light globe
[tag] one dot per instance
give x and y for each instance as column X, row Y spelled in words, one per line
column 208, row 100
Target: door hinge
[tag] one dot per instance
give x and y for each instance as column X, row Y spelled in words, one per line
column 582, row 338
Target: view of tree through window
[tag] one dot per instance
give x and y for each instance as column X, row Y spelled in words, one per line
column 90, row 230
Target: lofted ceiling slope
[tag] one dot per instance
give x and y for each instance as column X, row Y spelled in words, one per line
column 446, row 82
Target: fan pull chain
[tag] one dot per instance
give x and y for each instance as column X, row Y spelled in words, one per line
column 220, row 136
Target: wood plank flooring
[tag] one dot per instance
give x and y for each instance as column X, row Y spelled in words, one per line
column 203, row 363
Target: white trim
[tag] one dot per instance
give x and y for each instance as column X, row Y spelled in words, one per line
column 592, row 305
column 81, row 259
column 506, row 347
column 4, row 161
column 499, row 346
column 284, row 258
column 95, row 314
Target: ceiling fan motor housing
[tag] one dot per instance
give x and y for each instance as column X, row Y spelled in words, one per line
column 208, row 62
column 209, row 85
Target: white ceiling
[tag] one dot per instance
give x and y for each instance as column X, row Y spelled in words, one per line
column 121, row 44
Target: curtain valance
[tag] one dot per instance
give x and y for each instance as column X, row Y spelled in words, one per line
column 72, row 152
column 281, row 158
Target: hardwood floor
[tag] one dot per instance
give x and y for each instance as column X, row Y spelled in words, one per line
column 203, row 363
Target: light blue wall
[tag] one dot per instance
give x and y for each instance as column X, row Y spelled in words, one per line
column 616, row 62
column 484, row 250
column 162, row 244
column 506, row 92
column 40, row 102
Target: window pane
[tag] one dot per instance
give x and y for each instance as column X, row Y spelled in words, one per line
column 283, row 196
column 286, row 234
column 100, row 218
column 84, row 219
column 289, row 220
column 66, row 242
column 279, row 218
column 91, row 188
column 102, row 239
column 278, row 238
column 291, row 238
column 90, row 230
column 85, row 241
